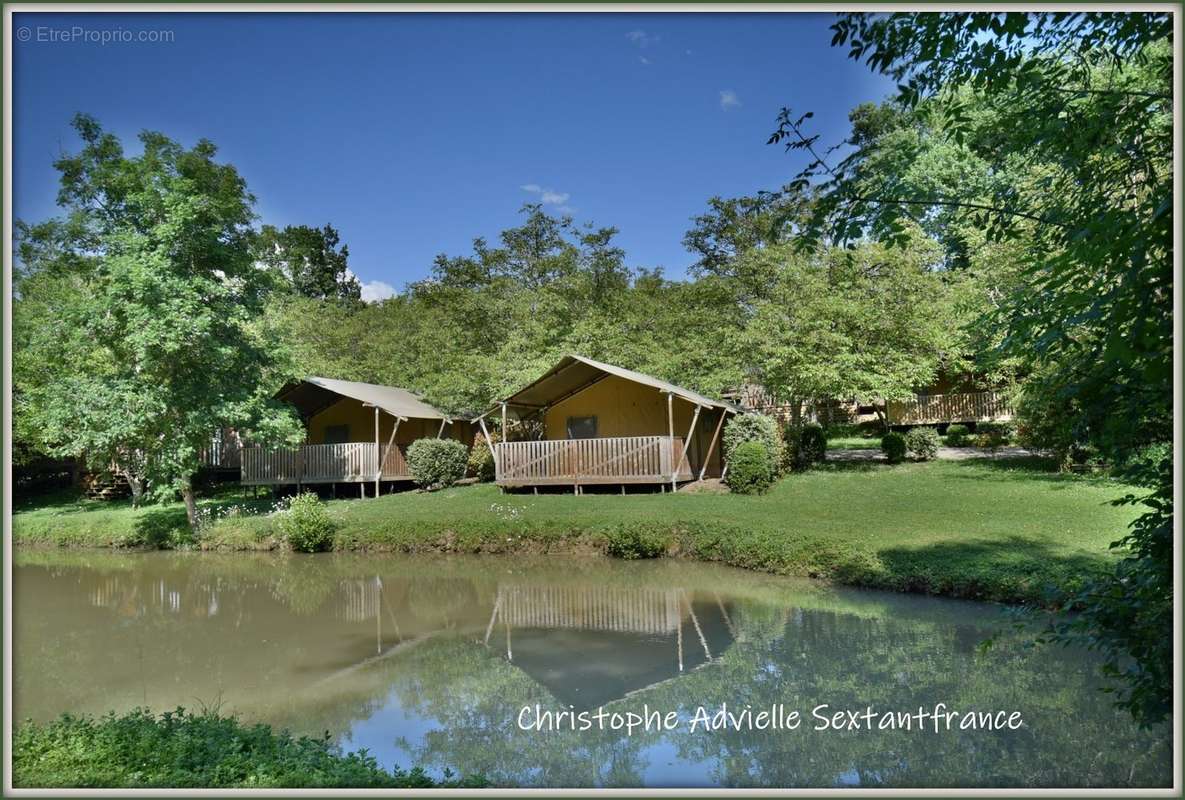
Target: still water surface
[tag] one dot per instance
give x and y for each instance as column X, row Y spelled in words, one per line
column 430, row 662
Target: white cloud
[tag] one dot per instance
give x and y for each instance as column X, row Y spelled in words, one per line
column 642, row 38
column 377, row 291
column 729, row 99
column 549, row 197
column 645, row 61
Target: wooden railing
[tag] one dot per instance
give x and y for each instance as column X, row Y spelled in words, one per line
column 935, row 408
column 626, row 459
column 350, row 462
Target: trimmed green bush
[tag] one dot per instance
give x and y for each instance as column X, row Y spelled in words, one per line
column 750, row 469
column 481, row 460
column 754, row 428
column 437, row 463
column 958, row 436
column 893, row 446
column 922, row 443
column 993, row 435
column 805, row 445
column 305, row 524
column 633, row 543
column 180, row 749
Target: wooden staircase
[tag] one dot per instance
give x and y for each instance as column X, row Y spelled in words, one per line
column 99, row 486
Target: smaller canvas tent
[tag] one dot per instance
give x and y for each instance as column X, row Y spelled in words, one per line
column 356, row 433
column 586, row 422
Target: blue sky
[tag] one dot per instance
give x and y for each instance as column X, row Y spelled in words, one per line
column 414, row 133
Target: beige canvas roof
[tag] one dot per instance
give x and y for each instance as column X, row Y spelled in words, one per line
column 573, row 373
column 312, row 395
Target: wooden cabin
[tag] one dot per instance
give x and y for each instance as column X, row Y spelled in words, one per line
column 584, row 422
column 356, row 433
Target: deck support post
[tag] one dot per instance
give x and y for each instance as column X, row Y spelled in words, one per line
column 378, row 467
column 686, row 445
column 712, row 445
column 671, row 432
column 505, row 437
column 440, row 432
column 489, row 443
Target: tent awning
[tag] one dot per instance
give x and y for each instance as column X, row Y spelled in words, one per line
column 574, row 373
column 313, row 395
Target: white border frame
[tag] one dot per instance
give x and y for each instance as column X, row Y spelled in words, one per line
column 1178, row 368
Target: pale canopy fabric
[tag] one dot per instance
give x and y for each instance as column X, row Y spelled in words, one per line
column 573, row 373
column 313, row 395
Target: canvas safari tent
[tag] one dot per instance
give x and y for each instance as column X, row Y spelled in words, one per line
column 356, row 433
column 586, row 422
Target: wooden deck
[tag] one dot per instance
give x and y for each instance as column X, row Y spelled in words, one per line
column 936, row 408
column 352, row 462
column 576, row 462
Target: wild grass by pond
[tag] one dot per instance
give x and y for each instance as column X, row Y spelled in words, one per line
column 1005, row 529
column 181, row 749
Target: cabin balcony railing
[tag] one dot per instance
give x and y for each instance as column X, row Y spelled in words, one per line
column 349, row 462
column 616, row 460
column 935, row 408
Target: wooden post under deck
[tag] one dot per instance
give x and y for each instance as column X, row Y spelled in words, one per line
column 712, row 445
column 378, row 472
column 686, row 444
column 671, row 431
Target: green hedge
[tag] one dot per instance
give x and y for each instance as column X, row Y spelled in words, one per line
column 180, row 749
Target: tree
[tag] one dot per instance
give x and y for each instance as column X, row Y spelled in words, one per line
column 869, row 323
column 157, row 343
column 311, row 260
column 1076, row 108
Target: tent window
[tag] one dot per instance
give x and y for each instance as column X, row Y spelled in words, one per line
column 337, row 434
column 582, row 427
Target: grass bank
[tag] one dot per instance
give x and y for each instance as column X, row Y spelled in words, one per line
column 185, row 750
column 1004, row 530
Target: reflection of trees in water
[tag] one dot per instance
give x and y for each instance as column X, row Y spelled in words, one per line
column 283, row 625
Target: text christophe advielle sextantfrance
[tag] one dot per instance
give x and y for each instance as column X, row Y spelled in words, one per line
column 775, row 717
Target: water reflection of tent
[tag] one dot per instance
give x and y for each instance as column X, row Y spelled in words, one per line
column 590, row 645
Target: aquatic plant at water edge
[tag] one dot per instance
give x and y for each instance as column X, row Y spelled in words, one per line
column 305, row 524
column 180, row 749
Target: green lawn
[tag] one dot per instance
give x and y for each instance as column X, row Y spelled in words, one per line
column 853, row 443
column 1002, row 530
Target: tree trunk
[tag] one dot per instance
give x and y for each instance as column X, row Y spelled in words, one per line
column 190, row 503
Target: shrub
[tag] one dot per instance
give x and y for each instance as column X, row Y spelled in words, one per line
column 922, row 443
column 750, row 469
column 1142, row 465
column 754, row 428
column 805, row 445
column 305, row 524
column 437, row 463
column 633, row 543
column 893, row 445
column 958, row 436
column 993, row 435
column 180, row 749
column 481, row 460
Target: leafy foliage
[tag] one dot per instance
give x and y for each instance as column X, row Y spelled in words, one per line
column 1064, row 124
column 894, row 447
column 437, row 463
column 481, row 458
column 151, row 298
column 310, row 259
column 180, row 749
column 751, row 468
column 754, row 428
column 806, row 445
column 305, row 524
column 922, row 442
column 632, row 542
column 958, row 435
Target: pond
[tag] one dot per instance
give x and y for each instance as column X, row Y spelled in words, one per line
column 464, row 663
